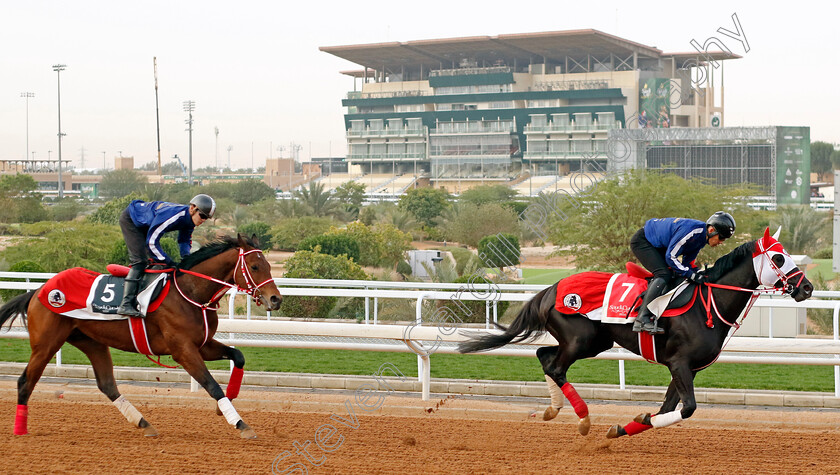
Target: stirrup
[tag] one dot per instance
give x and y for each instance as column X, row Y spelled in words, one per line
column 638, row 326
column 130, row 311
column 652, row 328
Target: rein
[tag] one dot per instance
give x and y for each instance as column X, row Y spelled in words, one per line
column 787, row 287
column 251, row 288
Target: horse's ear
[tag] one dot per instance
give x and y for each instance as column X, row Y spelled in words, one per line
column 241, row 240
column 778, row 233
column 766, row 234
column 255, row 240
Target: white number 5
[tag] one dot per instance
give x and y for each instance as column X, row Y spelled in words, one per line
column 108, row 293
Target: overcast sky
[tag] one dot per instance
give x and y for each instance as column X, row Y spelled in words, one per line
column 255, row 72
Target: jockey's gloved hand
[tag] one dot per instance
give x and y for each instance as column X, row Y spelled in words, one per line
column 698, row 277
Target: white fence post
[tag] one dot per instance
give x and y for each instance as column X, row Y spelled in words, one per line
column 836, row 324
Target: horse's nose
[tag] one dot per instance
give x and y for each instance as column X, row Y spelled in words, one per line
column 807, row 289
column 275, row 301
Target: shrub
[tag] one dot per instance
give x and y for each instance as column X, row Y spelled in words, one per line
column 403, row 268
column 381, row 245
column 434, row 233
column 499, row 250
column 469, row 223
column 290, row 232
column 20, row 266
column 824, row 253
column 333, row 245
column 261, row 229
column 66, row 245
column 250, row 191
column 312, row 265
column 394, row 244
column 66, row 210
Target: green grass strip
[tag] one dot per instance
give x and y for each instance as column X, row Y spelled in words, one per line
column 485, row 367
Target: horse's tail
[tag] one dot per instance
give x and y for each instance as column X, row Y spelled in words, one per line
column 16, row 307
column 531, row 319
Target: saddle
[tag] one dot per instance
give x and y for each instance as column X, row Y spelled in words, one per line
column 678, row 300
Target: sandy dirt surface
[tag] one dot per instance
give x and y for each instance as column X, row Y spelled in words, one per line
column 73, row 429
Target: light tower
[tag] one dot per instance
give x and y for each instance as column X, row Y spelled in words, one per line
column 216, row 163
column 230, row 147
column 58, row 68
column 27, row 95
column 189, row 107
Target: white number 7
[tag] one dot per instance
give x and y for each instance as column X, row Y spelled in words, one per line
column 629, row 286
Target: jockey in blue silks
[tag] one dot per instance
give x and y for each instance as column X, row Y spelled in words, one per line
column 668, row 247
column 143, row 224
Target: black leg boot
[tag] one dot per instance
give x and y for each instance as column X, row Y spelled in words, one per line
column 128, row 307
column 645, row 321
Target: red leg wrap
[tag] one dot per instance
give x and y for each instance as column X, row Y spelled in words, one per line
column 634, row 428
column 20, row 419
column 235, row 382
column 574, row 399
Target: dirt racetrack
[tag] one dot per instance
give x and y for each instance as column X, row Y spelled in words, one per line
column 73, row 429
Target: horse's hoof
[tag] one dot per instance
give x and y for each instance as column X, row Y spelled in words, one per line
column 218, row 411
column 550, row 413
column 150, row 431
column 584, row 425
column 245, row 430
column 642, row 419
column 615, row 432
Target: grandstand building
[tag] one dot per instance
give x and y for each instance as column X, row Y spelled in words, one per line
column 507, row 108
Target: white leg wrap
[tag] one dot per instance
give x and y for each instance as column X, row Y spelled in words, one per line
column 128, row 410
column 664, row 420
column 228, row 411
column 555, row 392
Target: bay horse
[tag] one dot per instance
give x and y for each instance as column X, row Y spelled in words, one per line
column 182, row 326
column 691, row 342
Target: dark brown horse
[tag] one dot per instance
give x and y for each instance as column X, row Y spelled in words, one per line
column 183, row 326
column 687, row 346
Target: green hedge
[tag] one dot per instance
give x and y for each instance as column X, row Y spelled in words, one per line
column 333, row 245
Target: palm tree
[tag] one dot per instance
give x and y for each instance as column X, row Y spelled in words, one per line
column 318, row 201
column 401, row 219
column 802, row 228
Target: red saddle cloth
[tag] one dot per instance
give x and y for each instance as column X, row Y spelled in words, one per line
column 617, row 294
column 83, row 293
column 582, row 293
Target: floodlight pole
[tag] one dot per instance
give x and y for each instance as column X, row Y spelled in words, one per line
column 27, row 95
column 189, row 107
column 58, row 68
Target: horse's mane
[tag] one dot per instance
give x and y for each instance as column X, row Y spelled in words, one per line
column 213, row 248
column 728, row 262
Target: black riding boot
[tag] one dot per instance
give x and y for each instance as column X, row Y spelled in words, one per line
column 128, row 307
column 645, row 321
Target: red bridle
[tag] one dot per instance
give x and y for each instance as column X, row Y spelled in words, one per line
column 787, row 287
column 250, row 287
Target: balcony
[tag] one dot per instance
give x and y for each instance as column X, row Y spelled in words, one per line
column 386, row 132
column 569, row 128
column 385, row 157
column 478, row 127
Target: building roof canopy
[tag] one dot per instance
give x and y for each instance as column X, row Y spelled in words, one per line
column 489, row 50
